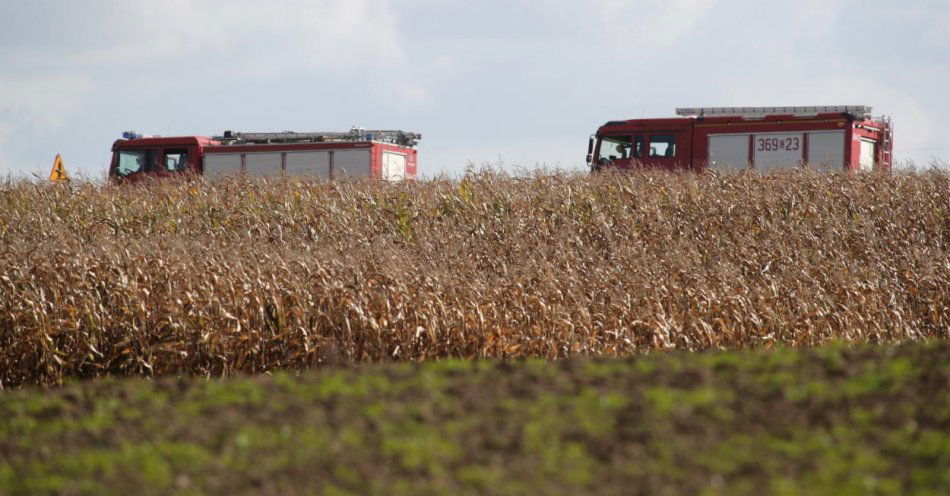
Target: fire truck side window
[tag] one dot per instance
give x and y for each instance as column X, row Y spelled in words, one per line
column 662, row 145
column 619, row 147
column 176, row 160
column 132, row 161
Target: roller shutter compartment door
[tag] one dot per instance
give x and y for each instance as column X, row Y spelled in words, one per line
column 217, row 165
column 353, row 163
column 826, row 151
column 262, row 164
column 729, row 152
column 314, row 164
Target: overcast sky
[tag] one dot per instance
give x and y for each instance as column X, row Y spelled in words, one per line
column 521, row 83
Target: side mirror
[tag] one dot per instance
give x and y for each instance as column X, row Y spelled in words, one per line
column 590, row 158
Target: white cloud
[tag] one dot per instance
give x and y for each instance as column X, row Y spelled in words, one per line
column 915, row 126
column 816, row 18
column 642, row 23
column 152, row 46
column 290, row 34
column 935, row 31
column 40, row 101
column 459, row 72
column 403, row 92
column 34, row 105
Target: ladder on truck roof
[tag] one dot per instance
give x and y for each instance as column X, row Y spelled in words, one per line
column 887, row 141
column 855, row 110
column 396, row 137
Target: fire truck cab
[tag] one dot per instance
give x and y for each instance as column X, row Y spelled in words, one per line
column 387, row 155
column 137, row 156
column 827, row 138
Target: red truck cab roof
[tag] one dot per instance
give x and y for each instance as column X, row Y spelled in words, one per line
column 162, row 141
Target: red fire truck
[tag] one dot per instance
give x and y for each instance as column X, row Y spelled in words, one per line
column 388, row 155
column 842, row 137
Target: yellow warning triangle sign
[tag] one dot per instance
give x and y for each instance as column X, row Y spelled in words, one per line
column 58, row 174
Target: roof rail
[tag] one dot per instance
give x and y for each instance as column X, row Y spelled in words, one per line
column 855, row 110
column 396, row 137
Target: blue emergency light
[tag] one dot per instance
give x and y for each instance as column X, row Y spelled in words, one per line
column 130, row 135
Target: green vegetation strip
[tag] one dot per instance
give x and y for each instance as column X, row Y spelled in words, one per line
column 834, row 420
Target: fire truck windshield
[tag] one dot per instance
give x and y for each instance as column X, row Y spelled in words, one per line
column 132, row 161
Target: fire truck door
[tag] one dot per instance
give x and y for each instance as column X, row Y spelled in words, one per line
column 135, row 161
column 619, row 151
column 666, row 149
column 394, row 166
column 174, row 160
column 868, row 152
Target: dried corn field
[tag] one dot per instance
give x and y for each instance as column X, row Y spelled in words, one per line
column 246, row 277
